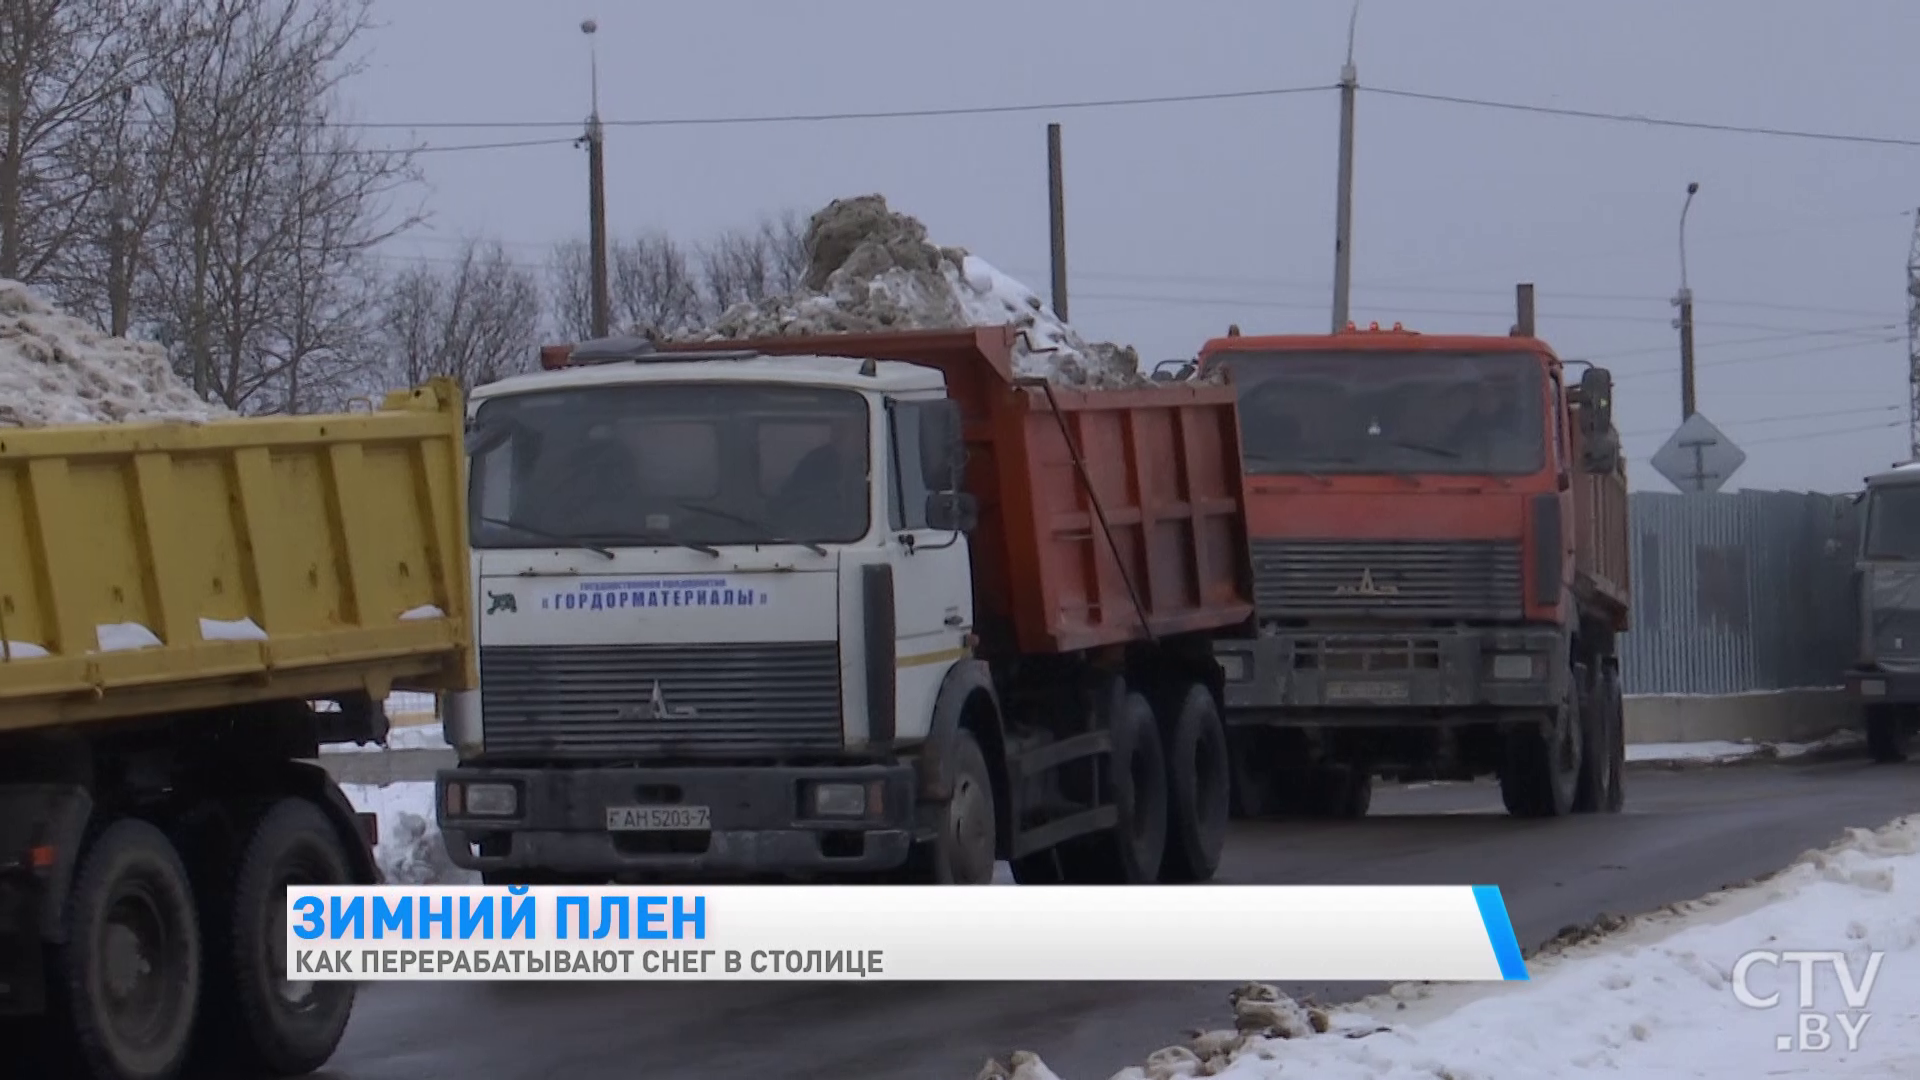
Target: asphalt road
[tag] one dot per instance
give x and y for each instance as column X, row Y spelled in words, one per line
column 1686, row 833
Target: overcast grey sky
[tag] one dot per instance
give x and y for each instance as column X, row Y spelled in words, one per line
column 1183, row 218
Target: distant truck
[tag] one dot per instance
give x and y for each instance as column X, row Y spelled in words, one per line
column 173, row 601
column 1885, row 681
column 848, row 607
column 1439, row 545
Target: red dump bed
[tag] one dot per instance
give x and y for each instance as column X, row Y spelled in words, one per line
column 1159, row 464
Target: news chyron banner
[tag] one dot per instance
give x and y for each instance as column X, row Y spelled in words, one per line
column 908, row 933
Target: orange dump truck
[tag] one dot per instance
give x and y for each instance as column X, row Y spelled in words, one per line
column 174, row 601
column 844, row 605
column 1439, row 542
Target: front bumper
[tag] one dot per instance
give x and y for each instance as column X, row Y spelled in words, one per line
column 1353, row 673
column 1882, row 687
column 760, row 823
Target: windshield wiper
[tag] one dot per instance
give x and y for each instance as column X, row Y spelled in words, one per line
column 751, row 523
column 1436, row 451
column 548, row 534
column 693, row 545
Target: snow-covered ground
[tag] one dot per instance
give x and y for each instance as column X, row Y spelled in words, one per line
column 1722, row 752
column 1653, row 1000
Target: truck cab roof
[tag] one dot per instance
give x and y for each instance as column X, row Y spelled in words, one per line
column 886, row 376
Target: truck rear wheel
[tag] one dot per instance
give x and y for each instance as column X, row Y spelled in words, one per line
column 129, row 976
column 1541, row 773
column 1198, row 786
column 286, row 1027
column 1613, row 706
column 1130, row 853
column 1887, row 734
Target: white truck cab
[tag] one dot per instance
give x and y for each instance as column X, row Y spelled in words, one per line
column 685, row 566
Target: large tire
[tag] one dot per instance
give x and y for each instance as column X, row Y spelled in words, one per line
column 1199, row 785
column 284, row 1027
column 1887, row 734
column 962, row 849
column 1613, row 705
column 1590, row 794
column 1131, row 852
column 127, row 982
column 1541, row 774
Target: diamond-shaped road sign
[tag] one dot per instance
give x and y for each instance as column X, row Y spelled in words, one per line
column 1697, row 457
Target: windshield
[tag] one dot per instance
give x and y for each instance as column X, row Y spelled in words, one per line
column 1390, row 412
column 1893, row 522
column 686, row 464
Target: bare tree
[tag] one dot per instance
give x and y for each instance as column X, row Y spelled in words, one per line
column 476, row 321
column 64, row 67
column 570, row 289
column 654, row 286
column 268, row 212
column 747, row 265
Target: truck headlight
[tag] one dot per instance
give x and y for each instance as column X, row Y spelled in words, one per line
column 483, row 800
column 1233, row 666
column 840, row 800
column 1513, row 667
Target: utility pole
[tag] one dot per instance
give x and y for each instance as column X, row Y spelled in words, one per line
column 595, row 139
column 1057, row 220
column 1343, row 207
column 1913, row 341
column 1684, row 301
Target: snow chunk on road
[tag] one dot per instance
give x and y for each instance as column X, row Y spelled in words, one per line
column 1651, row 1000
column 410, row 851
column 873, row 269
column 56, row 369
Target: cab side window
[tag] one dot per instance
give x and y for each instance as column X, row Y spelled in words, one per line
column 908, row 488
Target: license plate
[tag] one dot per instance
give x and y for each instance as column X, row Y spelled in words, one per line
column 659, row 819
column 1366, row 691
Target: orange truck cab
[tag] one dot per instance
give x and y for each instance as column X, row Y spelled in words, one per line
column 1439, row 548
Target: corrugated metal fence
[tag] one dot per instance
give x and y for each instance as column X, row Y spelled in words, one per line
column 1742, row 591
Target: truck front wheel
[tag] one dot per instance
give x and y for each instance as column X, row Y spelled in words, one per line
column 962, row 851
column 286, row 1027
column 1541, row 773
column 1887, row 734
column 129, row 975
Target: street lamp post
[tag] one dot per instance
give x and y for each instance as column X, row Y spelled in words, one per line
column 1684, row 301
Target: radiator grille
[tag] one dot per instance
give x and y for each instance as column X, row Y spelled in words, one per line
column 612, row 701
column 1477, row 580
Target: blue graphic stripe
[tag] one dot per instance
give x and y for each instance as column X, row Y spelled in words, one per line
column 1506, row 947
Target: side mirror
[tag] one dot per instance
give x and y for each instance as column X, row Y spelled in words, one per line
column 1596, row 399
column 484, row 440
column 952, row 511
column 943, row 448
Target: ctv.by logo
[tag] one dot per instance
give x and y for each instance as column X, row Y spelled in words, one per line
column 1813, row 1029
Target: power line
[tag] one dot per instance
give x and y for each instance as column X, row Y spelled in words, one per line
column 1762, row 339
column 1644, row 119
column 848, row 115
column 1791, row 354
column 1802, row 436
column 1780, row 419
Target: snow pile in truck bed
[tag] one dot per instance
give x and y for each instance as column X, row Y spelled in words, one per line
column 56, row 369
column 872, row 269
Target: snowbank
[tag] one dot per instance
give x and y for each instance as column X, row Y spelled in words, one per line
column 1721, row 752
column 874, row 269
column 1649, row 998
column 410, row 851
column 56, row 369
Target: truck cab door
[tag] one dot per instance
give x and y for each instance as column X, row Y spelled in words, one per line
column 933, row 580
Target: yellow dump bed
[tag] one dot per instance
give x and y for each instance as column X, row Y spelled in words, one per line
column 150, row 569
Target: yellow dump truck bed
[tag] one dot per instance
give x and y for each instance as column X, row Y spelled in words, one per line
column 150, row 569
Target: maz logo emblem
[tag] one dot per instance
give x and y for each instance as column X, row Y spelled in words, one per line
column 657, row 708
column 1367, row 587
